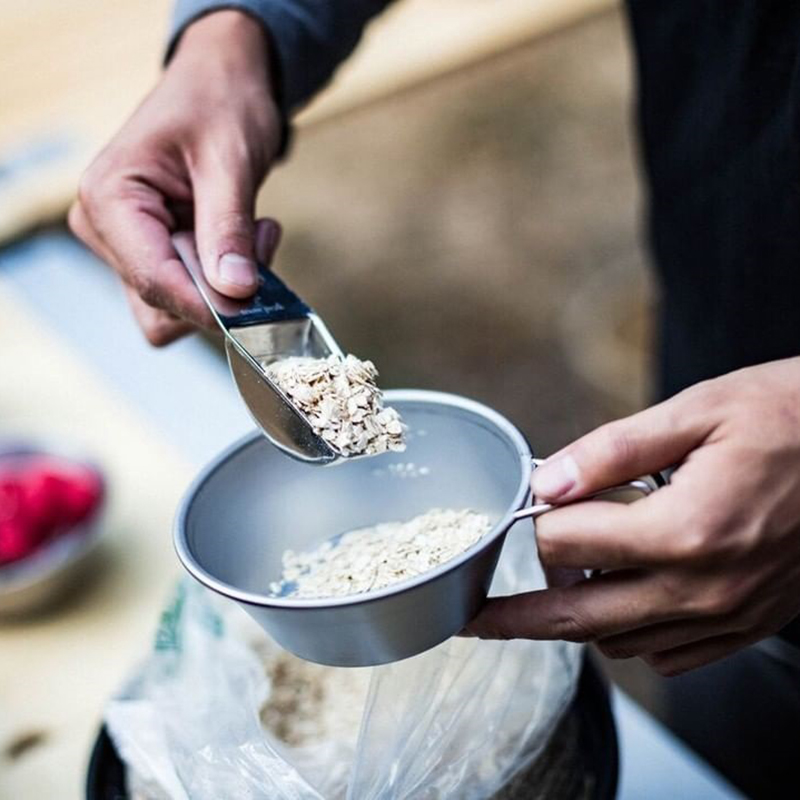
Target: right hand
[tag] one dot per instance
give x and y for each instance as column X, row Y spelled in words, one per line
column 192, row 155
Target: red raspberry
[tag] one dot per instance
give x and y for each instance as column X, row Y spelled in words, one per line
column 43, row 491
column 11, row 496
column 15, row 541
column 80, row 496
column 41, row 497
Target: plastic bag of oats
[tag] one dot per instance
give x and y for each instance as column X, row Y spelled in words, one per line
column 219, row 710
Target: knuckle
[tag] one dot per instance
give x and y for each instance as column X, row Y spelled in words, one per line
column 157, row 336
column 730, row 545
column 234, row 232
column 687, row 547
column 102, row 180
column 706, row 397
column 719, row 600
column 489, row 626
column 739, row 591
column 697, row 542
column 711, row 536
column 159, row 332
column 233, row 221
column 679, row 591
column 575, row 626
column 618, row 443
column 498, row 633
column 75, row 220
column 145, row 286
column 696, row 595
column 89, row 187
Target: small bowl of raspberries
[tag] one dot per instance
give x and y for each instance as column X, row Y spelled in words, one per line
column 50, row 509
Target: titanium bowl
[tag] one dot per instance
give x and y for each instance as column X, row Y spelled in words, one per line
column 252, row 503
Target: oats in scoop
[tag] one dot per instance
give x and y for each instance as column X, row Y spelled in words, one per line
column 342, row 402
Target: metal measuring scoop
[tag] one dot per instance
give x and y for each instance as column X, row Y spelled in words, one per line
column 273, row 324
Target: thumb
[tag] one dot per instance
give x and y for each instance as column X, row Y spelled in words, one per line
column 224, row 197
column 649, row 441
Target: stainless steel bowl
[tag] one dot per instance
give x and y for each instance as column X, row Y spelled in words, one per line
column 252, row 503
column 37, row 581
column 55, row 569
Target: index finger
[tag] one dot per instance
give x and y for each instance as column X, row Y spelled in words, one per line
column 135, row 231
column 597, row 534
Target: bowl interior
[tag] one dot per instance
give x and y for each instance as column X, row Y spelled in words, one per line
column 256, row 502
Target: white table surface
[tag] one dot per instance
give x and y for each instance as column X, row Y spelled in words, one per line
column 184, row 387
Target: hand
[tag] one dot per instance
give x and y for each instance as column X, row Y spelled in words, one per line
column 698, row 569
column 192, row 155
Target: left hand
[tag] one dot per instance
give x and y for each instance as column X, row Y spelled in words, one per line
column 191, row 156
column 700, row 568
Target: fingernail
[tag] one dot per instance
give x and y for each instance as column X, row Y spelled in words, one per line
column 555, row 478
column 237, row 270
column 266, row 239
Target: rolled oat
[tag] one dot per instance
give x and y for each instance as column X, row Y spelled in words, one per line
column 342, row 402
column 309, row 703
column 375, row 557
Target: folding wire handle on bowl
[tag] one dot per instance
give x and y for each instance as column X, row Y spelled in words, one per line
column 645, row 486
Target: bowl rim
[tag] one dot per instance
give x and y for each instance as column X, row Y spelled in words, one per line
column 507, row 428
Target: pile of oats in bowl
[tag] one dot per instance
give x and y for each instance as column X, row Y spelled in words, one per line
column 342, row 402
column 372, row 558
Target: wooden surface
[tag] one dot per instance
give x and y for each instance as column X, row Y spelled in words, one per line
column 70, row 73
column 58, row 670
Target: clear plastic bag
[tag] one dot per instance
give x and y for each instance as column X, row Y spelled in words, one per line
column 457, row 721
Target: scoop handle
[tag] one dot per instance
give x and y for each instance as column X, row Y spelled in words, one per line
column 273, row 301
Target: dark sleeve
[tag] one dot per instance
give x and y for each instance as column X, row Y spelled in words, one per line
column 310, row 37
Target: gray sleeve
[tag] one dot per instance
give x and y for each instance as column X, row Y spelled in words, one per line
column 311, row 37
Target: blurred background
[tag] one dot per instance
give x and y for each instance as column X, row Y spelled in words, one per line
column 462, row 207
